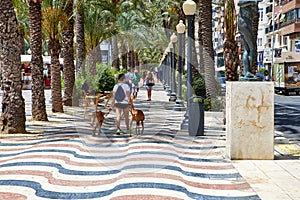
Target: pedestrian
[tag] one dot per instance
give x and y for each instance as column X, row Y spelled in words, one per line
column 135, row 83
column 120, row 102
column 128, row 78
column 85, row 88
column 149, row 83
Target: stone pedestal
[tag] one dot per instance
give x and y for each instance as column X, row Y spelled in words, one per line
column 250, row 120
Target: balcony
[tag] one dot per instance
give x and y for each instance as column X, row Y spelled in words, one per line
column 269, row 10
column 283, row 2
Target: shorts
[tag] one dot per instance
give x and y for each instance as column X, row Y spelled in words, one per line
column 135, row 88
column 121, row 105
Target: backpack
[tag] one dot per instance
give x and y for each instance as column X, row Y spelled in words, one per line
column 120, row 94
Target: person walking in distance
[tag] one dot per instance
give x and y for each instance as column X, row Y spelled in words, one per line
column 120, row 102
column 128, row 78
column 135, row 83
column 149, row 82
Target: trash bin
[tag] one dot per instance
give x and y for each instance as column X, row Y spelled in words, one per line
column 196, row 116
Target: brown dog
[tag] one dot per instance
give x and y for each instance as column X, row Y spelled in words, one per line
column 137, row 116
column 99, row 116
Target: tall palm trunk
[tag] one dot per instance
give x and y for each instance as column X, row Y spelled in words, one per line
column 131, row 57
column 38, row 87
column 80, row 41
column 13, row 105
column 208, row 52
column 115, row 53
column 92, row 55
column 231, row 56
column 136, row 59
column 68, row 55
column 56, row 95
column 124, row 55
column 200, row 39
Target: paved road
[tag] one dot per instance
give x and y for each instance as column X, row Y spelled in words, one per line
column 287, row 117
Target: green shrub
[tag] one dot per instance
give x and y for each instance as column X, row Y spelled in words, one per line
column 102, row 81
column 106, row 80
column 199, row 86
column 215, row 104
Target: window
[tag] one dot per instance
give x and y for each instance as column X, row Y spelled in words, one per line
column 261, row 15
column 259, row 42
column 284, row 40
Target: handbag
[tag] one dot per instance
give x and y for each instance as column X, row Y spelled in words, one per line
column 150, row 82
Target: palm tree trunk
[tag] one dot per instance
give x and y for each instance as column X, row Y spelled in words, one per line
column 38, row 86
column 68, row 55
column 115, row 53
column 92, row 61
column 131, row 57
column 231, row 56
column 56, row 95
column 80, row 41
column 124, row 55
column 200, row 39
column 13, row 105
column 208, row 52
column 136, row 59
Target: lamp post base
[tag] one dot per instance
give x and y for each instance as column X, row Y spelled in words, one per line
column 179, row 106
column 167, row 88
column 173, row 97
column 185, row 123
column 169, row 91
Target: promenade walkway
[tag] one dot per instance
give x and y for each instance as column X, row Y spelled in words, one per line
column 61, row 159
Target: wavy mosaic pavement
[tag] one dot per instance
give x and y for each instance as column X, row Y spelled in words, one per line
column 73, row 165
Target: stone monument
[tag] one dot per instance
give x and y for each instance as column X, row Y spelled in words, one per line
column 249, row 103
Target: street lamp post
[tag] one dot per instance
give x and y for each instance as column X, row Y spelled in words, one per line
column 180, row 28
column 189, row 9
column 164, row 63
column 173, row 39
column 167, row 86
column 170, row 48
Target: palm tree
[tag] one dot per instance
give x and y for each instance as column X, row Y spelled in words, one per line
column 68, row 54
column 231, row 56
column 54, row 19
column 208, row 52
column 80, row 39
column 13, row 105
column 38, row 95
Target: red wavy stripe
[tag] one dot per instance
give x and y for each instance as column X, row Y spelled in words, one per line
column 105, row 163
column 163, row 177
column 10, row 196
column 59, row 146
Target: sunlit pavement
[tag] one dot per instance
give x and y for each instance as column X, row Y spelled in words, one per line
column 60, row 159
